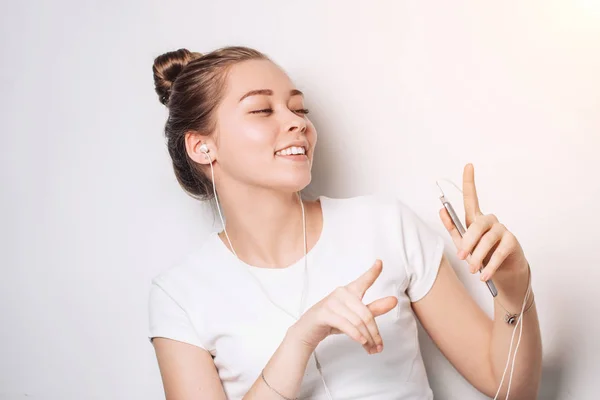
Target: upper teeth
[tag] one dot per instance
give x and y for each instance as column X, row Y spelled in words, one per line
column 291, row 150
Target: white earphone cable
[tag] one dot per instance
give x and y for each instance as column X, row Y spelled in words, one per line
column 522, row 322
column 305, row 283
column 519, row 322
column 519, row 325
column 212, row 174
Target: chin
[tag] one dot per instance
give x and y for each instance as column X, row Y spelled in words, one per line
column 294, row 183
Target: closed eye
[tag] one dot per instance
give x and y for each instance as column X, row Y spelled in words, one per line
column 266, row 110
column 270, row 110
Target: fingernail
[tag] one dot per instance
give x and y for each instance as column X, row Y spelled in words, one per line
column 484, row 277
column 379, row 348
column 363, row 340
column 462, row 254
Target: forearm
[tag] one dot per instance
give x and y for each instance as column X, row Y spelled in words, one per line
column 527, row 366
column 283, row 372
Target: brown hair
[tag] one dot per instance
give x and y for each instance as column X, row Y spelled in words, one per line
column 191, row 85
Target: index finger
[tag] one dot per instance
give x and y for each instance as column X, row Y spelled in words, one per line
column 471, row 200
column 364, row 282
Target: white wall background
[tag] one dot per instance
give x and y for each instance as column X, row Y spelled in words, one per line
column 402, row 93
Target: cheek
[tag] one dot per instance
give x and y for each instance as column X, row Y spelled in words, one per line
column 245, row 138
column 259, row 133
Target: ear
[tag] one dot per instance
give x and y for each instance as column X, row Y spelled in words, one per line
column 193, row 143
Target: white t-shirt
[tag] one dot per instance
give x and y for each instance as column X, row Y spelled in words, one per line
column 210, row 301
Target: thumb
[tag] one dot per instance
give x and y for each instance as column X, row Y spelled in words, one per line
column 383, row 305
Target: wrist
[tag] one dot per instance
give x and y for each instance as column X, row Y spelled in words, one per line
column 513, row 287
column 512, row 282
column 295, row 339
column 283, row 373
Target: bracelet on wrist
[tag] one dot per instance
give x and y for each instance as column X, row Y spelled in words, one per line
column 511, row 318
column 262, row 375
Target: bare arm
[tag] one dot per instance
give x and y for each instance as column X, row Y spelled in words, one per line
column 188, row 372
column 475, row 345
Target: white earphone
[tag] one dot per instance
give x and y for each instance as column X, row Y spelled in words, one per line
column 204, row 148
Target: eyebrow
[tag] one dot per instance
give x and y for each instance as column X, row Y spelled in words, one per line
column 269, row 92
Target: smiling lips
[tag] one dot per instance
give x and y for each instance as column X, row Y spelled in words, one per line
column 292, row 151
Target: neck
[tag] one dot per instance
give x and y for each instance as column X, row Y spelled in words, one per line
column 264, row 226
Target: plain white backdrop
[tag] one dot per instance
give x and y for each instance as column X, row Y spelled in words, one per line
column 401, row 92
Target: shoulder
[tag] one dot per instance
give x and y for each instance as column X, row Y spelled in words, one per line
column 372, row 206
column 384, row 213
column 192, row 271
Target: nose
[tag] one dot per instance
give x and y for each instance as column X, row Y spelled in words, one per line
column 299, row 129
column 296, row 123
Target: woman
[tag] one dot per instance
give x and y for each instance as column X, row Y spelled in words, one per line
column 314, row 299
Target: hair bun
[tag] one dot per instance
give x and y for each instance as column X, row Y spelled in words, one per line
column 167, row 67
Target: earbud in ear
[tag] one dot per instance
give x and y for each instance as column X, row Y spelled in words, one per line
column 204, row 148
